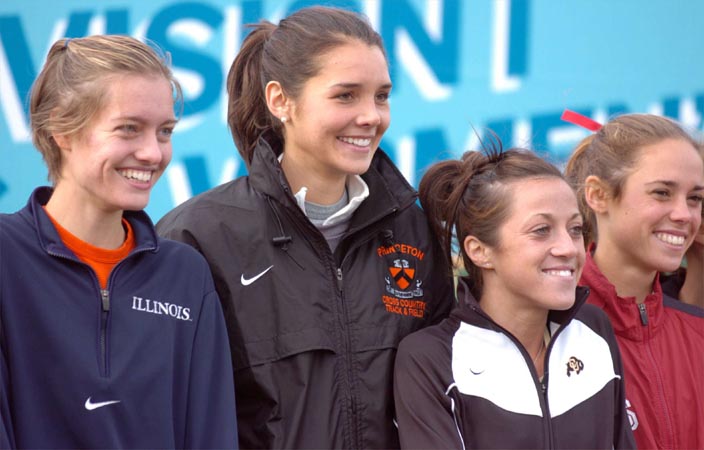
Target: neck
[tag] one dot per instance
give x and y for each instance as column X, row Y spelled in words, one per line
column 97, row 228
column 629, row 279
column 525, row 324
column 692, row 291
column 323, row 189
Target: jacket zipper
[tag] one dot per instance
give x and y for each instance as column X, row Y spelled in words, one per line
column 643, row 314
column 104, row 305
column 660, row 391
column 105, row 302
column 348, row 359
column 544, row 391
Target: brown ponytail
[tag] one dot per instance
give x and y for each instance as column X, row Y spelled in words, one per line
column 247, row 113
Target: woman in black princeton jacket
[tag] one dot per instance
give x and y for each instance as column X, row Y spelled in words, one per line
column 321, row 257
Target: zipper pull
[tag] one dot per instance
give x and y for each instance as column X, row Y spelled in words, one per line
column 643, row 314
column 339, row 278
column 105, row 299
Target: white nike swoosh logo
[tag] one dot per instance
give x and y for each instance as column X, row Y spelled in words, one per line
column 90, row 406
column 248, row 281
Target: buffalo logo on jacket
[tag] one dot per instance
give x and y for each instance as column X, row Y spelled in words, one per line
column 574, row 365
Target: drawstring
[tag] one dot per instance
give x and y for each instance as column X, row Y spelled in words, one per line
column 387, row 237
column 283, row 240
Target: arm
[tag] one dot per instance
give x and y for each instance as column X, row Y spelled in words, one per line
column 6, row 440
column 623, row 435
column 211, row 420
column 424, row 412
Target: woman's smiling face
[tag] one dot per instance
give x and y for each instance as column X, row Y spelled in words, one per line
column 336, row 123
column 658, row 213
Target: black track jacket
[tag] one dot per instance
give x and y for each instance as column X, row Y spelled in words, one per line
column 468, row 383
column 314, row 334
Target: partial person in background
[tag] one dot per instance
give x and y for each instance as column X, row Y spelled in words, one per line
column 322, row 259
column 110, row 337
column 522, row 362
column 640, row 181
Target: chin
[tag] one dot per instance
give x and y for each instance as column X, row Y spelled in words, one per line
column 668, row 263
column 134, row 205
column 562, row 301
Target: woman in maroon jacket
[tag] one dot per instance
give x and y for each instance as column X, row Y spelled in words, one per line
column 641, row 181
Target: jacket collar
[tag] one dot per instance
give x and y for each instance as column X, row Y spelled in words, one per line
column 469, row 310
column 388, row 189
column 144, row 234
column 624, row 312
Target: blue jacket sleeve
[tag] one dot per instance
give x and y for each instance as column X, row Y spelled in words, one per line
column 211, row 420
column 6, row 438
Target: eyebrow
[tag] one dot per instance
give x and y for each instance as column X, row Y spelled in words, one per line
column 550, row 216
column 674, row 184
column 139, row 119
column 355, row 85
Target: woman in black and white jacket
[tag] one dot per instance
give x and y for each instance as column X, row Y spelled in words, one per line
column 522, row 363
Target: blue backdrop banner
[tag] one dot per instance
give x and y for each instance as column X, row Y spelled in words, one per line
column 459, row 67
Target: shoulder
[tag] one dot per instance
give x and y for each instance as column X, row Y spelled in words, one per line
column 179, row 252
column 179, row 263
column 17, row 231
column 12, row 223
column 680, row 307
column 687, row 319
column 428, row 344
column 220, row 202
column 594, row 316
column 596, row 320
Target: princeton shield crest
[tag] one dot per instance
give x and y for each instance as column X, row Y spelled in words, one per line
column 402, row 273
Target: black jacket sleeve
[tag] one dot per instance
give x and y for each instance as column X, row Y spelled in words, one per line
column 422, row 375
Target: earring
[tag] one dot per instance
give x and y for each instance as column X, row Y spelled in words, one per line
column 283, row 119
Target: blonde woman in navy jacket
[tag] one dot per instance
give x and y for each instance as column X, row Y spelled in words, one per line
column 110, row 337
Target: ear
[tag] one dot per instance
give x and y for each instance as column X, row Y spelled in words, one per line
column 276, row 100
column 62, row 140
column 478, row 252
column 597, row 194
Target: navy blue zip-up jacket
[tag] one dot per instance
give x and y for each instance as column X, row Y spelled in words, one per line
column 142, row 364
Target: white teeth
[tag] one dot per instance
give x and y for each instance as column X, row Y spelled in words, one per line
column 359, row 142
column 139, row 175
column 559, row 273
column 670, row 238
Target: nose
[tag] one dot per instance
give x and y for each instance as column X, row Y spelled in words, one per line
column 567, row 245
column 369, row 114
column 682, row 211
column 151, row 150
